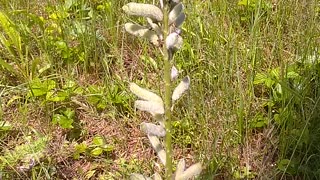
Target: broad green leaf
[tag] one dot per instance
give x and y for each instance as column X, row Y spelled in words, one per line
column 181, row 88
column 149, row 106
column 145, row 10
column 69, row 113
column 96, row 151
column 292, row 75
column 63, row 121
column 5, row 126
column 107, row 148
column 98, row 141
column 82, row 147
column 260, row 78
column 155, row 142
column 144, row 94
column 40, row 88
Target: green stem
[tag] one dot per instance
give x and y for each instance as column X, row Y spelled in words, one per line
column 168, row 94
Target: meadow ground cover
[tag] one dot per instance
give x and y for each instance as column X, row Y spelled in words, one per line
column 252, row 110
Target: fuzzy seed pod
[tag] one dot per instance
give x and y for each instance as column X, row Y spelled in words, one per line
column 145, row 10
column 143, row 32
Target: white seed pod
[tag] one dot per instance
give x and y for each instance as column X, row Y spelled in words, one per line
column 136, row 176
column 181, row 88
column 192, row 171
column 175, row 12
column 179, row 20
column 174, row 73
column 157, row 176
column 144, row 94
column 143, row 32
column 152, row 129
column 180, row 168
column 145, row 10
column 173, row 3
column 152, row 107
column 172, row 40
column 178, row 44
column 155, row 142
column 155, row 27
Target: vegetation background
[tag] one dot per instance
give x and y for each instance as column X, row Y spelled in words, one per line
column 252, row 111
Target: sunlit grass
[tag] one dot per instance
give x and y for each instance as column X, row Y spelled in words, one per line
column 229, row 120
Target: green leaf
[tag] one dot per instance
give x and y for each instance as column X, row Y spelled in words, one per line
column 98, row 141
column 63, row 121
column 260, row 78
column 107, row 148
column 69, row 113
column 7, row 66
column 292, row 75
column 5, row 126
column 81, row 148
column 96, row 151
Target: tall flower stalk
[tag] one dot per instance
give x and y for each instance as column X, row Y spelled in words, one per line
column 168, row 94
column 163, row 30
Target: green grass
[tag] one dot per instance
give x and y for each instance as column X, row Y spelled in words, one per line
column 253, row 102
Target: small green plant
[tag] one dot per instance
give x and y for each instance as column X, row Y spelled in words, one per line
column 65, row 119
column 103, row 97
column 163, row 31
column 50, row 92
column 97, row 147
column 28, row 153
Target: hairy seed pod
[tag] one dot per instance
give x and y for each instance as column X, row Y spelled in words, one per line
column 143, row 32
column 145, row 10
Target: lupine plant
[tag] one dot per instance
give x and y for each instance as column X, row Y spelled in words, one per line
column 163, row 31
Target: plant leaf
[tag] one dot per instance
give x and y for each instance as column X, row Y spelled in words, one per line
column 144, row 94
column 155, row 142
column 181, row 88
column 145, row 10
column 152, row 129
column 149, row 106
